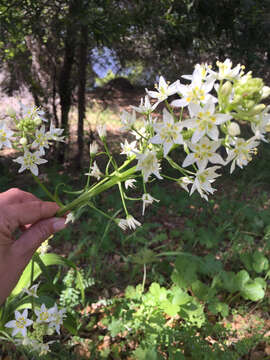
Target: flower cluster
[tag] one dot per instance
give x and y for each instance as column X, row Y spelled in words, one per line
column 46, row 323
column 205, row 123
column 26, row 132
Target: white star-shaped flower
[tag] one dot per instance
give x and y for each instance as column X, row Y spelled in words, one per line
column 5, row 135
column 20, row 323
column 147, row 200
column 29, row 161
column 204, row 121
column 148, row 164
column 164, row 90
column 168, row 132
column 203, row 151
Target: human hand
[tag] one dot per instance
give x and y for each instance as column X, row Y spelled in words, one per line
column 34, row 217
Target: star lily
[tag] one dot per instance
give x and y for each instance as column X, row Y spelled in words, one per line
column 168, row 133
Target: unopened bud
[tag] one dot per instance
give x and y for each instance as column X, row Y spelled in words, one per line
column 101, row 129
column 23, row 141
column 233, row 129
column 265, row 92
column 38, row 121
column 257, row 109
column 226, row 88
column 93, row 148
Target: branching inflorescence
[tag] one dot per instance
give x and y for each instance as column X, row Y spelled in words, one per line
column 211, row 109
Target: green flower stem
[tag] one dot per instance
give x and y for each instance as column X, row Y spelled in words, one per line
column 31, row 283
column 88, row 177
column 144, row 278
column 177, row 167
column 110, row 156
column 101, row 212
column 137, row 132
column 103, row 185
column 122, row 197
column 43, row 187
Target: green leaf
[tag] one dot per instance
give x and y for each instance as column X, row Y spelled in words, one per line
column 260, row 262
column 144, row 256
column 48, row 260
column 115, row 327
column 169, row 308
column 185, row 271
column 159, row 293
column 219, row 308
column 202, row 291
column 253, row 291
column 180, row 297
column 80, row 285
column 241, row 278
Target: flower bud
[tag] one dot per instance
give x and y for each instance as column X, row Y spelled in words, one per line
column 257, row 109
column 101, row 129
column 23, row 141
column 37, row 121
column 226, row 89
column 233, row 129
column 93, row 148
column 265, row 92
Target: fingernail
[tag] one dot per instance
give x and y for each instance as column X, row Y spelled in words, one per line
column 59, row 224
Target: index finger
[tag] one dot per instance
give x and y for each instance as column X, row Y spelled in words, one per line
column 15, row 195
column 30, row 212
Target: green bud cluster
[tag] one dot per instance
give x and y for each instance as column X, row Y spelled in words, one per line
column 40, row 330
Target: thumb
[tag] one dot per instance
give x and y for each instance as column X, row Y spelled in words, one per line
column 32, row 238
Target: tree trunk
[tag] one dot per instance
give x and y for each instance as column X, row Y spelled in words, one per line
column 65, row 85
column 81, row 91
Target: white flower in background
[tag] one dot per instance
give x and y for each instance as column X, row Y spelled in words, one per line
column 168, row 132
column 129, row 149
column 233, row 129
column 204, row 121
column 93, row 148
column 102, row 130
column 201, row 72
column 147, row 200
column 56, row 318
column 145, row 106
column 203, row 180
column 203, row 151
column 55, row 133
column 70, row 218
column 41, row 140
column 142, row 132
column 132, row 223
column 240, row 155
column 43, row 314
column 20, row 323
column 5, row 135
column 130, row 183
column 44, row 348
column 197, row 92
column 185, row 181
column 225, row 70
column 30, row 161
column 94, row 171
column 164, row 90
column 128, row 120
column 26, row 341
column 148, row 164
column 260, row 124
column 122, row 223
column 32, row 291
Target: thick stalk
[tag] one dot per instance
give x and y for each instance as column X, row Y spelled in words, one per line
column 99, row 188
